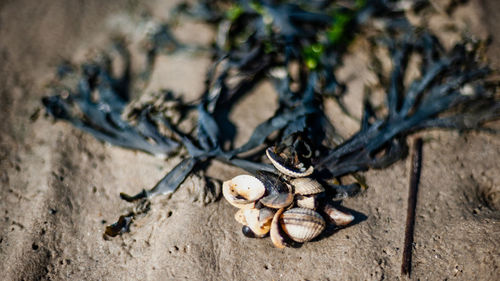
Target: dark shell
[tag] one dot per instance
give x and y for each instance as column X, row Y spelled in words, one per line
column 280, row 164
column 278, row 194
column 247, row 231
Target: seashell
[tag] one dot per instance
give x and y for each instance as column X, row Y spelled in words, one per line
column 266, row 214
column 259, row 221
column 243, row 206
column 242, row 191
column 247, row 231
column 306, row 186
column 278, row 194
column 338, row 217
column 276, row 233
column 309, row 202
column 279, row 163
column 240, row 217
column 302, row 224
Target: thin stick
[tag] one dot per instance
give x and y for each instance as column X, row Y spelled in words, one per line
column 416, row 165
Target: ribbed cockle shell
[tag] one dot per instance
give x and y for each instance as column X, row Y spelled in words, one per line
column 302, row 224
column 306, row 186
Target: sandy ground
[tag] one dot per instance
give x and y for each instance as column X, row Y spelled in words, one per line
column 59, row 186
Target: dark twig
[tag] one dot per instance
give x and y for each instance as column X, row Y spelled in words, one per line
column 416, row 165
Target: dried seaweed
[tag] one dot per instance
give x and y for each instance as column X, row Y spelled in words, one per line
column 101, row 116
column 450, row 81
column 263, row 40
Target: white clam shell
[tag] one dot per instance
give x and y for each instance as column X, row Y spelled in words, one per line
column 243, row 190
column 302, row 224
column 338, row 217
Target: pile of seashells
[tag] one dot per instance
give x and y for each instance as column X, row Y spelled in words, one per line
column 289, row 206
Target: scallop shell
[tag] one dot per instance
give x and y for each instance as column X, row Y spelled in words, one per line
column 278, row 194
column 242, row 191
column 338, row 217
column 276, row 235
column 278, row 163
column 302, row 224
column 306, row 186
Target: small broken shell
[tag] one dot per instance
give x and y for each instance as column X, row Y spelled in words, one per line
column 242, row 191
column 276, row 235
column 279, row 163
column 240, row 217
column 259, row 221
column 338, row 217
column 306, row 186
column 278, row 194
column 302, row 224
column 309, row 202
